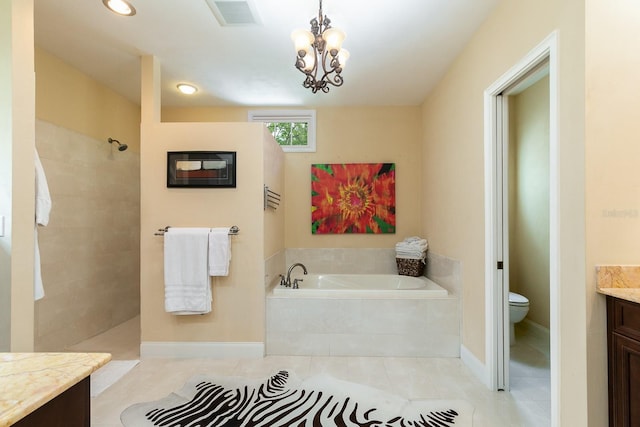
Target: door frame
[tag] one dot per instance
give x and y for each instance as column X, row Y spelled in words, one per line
column 496, row 304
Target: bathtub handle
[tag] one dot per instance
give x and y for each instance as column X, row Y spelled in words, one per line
column 283, row 282
column 295, row 283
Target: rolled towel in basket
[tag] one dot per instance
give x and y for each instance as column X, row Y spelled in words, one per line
column 412, row 243
column 412, row 247
column 414, row 240
column 411, row 255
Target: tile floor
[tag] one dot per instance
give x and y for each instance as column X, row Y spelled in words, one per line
column 527, row 405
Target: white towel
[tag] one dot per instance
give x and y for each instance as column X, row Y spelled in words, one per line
column 219, row 251
column 412, row 247
column 412, row 243
column 43, row 209
column 187, row 287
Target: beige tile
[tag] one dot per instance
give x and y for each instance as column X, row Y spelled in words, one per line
column 528, row 405
column 90, row 248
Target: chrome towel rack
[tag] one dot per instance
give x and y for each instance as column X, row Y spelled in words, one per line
column 232, row 231
column 271, row 198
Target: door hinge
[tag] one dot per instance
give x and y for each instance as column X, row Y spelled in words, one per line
column 500, row 265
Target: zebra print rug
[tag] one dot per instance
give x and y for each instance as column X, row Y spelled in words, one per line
column 284, row 400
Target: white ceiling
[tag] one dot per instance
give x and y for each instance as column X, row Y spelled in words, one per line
column 398, row 52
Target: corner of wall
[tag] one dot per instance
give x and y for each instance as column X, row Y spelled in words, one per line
column 475, row 365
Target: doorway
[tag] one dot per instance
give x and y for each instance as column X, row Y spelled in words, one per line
column 539, row 62
column 527, row 176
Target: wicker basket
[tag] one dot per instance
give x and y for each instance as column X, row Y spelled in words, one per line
column 410, row 266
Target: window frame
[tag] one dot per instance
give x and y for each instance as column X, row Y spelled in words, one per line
column 290, row 116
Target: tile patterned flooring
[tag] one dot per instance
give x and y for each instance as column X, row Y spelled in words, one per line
column 526, row 405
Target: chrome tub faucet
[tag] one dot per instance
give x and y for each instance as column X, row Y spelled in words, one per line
column 287, row 281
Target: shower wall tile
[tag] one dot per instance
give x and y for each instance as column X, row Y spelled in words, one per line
column 90, row 250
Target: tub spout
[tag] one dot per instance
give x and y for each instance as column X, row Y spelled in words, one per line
column 288, row 281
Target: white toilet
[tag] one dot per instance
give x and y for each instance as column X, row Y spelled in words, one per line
column 518, row 309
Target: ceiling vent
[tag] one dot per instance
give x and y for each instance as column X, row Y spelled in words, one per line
column 235, row 12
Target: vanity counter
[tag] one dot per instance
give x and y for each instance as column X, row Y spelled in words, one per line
column 627, row 294
column 619, row 281
column 31, row 381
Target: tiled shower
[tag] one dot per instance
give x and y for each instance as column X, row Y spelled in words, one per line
column 90, row 249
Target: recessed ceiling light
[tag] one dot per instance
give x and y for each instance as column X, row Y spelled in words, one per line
column 121, row 7
column 187, row 89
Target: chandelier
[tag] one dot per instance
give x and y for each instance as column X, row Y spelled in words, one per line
column 320, row 56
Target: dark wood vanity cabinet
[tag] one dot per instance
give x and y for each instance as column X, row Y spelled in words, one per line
column 623, row 338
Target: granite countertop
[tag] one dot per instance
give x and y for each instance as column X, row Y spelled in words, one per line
column 619, row 281
column 29, row 380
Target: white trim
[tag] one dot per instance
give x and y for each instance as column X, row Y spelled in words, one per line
column 195, row 350
column 474, row 364
column 490, row 276
column 293, row 116
column 547, row 49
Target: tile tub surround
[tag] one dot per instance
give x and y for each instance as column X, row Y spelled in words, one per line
column 274, row 266
column 446, row 272
column 620, row 281
column 344, row 260
column 29, row 380
column 360, row 327
column 363, row 327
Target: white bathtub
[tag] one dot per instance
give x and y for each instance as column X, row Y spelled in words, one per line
column 368, row 286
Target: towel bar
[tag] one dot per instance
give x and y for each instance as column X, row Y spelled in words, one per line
column 271, row 198
column 232, row 231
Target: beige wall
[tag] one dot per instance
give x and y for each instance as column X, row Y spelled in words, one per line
column 612, row 153
column 17, row 140
column 208, row 114
column 344, row 135
column 453, row 179
column 6, row 169
column 529, row 199
column 71, row 99
column 238, row 299
column 274, row 226
column 95, row 218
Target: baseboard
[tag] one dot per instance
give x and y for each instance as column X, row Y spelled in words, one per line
column 194, row 350
column 475, row 366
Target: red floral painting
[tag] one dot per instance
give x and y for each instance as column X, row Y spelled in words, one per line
column 353, row 198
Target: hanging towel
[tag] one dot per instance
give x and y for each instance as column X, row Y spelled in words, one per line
column 187, row 287
column 43, row 210
column 219, row 251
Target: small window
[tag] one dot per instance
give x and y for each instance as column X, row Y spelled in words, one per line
column 294, row 130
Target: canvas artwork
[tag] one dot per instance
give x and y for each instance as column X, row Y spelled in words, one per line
column 353, row 198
